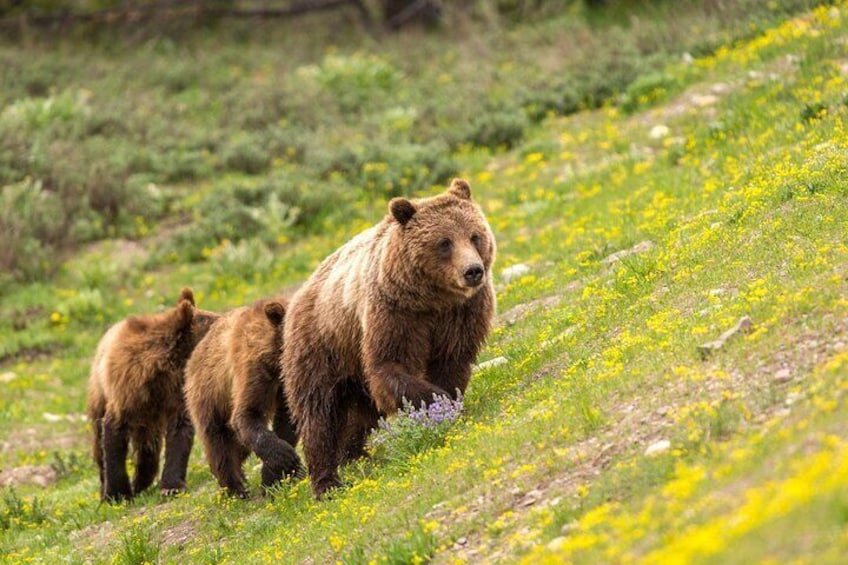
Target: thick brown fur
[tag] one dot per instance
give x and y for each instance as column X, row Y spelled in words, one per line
column 233, row 389
column 399, row 312
column 135, row 396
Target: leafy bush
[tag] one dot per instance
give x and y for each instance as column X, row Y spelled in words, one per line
column 647, row 89
column 32, row 220
column 498, row 129
column 354, row 81
column 246, row 154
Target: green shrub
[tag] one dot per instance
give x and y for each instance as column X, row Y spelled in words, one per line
column 647, row 89
column 32, row 221
column 498, row 129
column 246, row 154
column 355, row 81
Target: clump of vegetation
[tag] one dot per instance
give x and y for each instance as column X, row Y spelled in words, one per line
column 414, row 430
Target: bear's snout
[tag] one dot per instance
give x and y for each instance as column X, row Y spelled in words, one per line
column 474, row 275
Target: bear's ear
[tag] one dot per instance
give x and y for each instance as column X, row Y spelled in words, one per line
column 461, row 189
column 276, row 312
column 185, row 313
column 402, row 210
column 186, row 294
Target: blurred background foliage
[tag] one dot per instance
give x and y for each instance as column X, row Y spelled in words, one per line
column 189, row 125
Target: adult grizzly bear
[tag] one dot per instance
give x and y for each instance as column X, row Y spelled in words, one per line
column 233, row 389
column 135, row 393
column 398, row 312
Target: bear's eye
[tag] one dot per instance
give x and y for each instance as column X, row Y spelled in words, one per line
column 475, row 239
column 445, row 245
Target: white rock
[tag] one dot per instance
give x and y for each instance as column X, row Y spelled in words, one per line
column 50, row 417
column 496, row 362
column 640, row 247
column 659, row 131
column 704, row 99
column 782, row 376
column 658, row 447
column 514, row 272
column 8, row 377
column 556, row 543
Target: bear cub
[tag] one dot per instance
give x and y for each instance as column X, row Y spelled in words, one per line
column 399, row 312
column 233, row 389
column 135, row 395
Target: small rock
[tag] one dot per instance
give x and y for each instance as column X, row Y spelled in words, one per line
column 792, row 398
column 462, row 541
column 744, row 325
column 659, row 131
column 52, row 418
column 658, row 447
column 531, row 498
column 687, row 58
column 514, row 272
column 640, row 247
column 556, row 543
column 783, row 376
column 720, row 88
column 703, row 100
column 568, row 527
column 8, row 377
column 496, row 362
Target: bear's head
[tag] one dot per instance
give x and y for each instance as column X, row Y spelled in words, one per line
column 446, row 241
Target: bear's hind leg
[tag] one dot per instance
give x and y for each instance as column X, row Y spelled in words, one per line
column 148, row 444
column 225, row 455
column 322, row 434
column 97, row 448
column 361, row 419
column 178, row 442
column 116, row 441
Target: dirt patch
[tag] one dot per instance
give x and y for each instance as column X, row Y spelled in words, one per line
column 178, row 534
column 40, row 475
column 95, row 535
column 33, row 439
column 520, row 311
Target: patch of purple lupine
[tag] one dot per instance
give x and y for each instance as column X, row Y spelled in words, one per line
column 443, row 409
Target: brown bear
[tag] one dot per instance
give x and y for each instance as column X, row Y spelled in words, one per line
column 399, row 312
column 135, row 393
column 233, row 389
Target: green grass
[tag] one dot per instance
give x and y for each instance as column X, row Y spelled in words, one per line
column 746, row 205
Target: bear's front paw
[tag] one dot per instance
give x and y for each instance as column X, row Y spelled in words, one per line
column 325, row 488
column 172, row 489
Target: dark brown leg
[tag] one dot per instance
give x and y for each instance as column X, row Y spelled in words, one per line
column 362, row 418
column 116, row 440
column 178, row 442
column 225, row 455
column 97, row 448
column 322, row 435
column 278, row 456
column 283, row 423
column 148, row 444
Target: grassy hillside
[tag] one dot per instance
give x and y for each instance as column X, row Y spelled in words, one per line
column 714, row 188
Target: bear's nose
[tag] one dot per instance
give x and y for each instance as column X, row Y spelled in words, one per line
column 473, row 275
